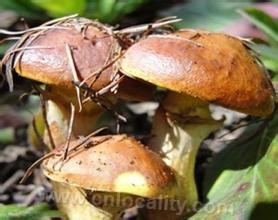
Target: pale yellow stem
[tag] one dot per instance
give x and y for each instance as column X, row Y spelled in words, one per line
column 58, row 116
column 72, row 201
column 177, row 137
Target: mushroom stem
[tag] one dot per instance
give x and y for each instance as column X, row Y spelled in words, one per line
column 57, row 104
column 58, row 112
column 177, row 137
column 59, row 116
column 76, row 207
column 72, row 201
column 59, row 101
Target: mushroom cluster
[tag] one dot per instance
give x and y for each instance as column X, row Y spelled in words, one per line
column 197, row 68
column 85, row 67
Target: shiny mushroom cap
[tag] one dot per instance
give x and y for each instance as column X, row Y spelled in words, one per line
column 91, row 46
column 213, row 67
column 118, row 164
column 93, row 50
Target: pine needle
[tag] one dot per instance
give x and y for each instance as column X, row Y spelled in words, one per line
column 74, row 74
column 69, row 131
column 58, row 152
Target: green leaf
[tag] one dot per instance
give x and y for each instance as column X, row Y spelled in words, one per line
column 111, row 10
column 243, row 178
column 264, row 22
column 207, row 14
column 268, row 56
column 5, row 46
column 56, row 8
column 125, row 7
column 36, row 212
column 275, row 80
column 104, row 10
column 7, row 135
column 22, row 8
column 106, row 6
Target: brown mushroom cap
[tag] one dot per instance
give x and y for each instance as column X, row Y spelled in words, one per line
column 213, row 67
column 119, row 164
column 92, row 49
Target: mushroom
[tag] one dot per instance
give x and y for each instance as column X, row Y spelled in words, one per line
column 110, row 173
column 197, row 68
column 74, row 49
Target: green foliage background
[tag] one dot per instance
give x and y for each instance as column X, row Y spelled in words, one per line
column 104, row 10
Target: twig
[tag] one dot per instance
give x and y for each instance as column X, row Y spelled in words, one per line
column 57, row 20
column 98, row 72
column 34, row 165
column 74, row 74
column 116, row 114
column 8, row 39
column 169, row 18
column 69, row 131
column 39, row 28
column 109, row 87
column 58, row 152
column 47, row 126
column 177, row 38
column 10, row 60
column 29, row 38
column 142, row 28
column 151, row 28
column 98, row 101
